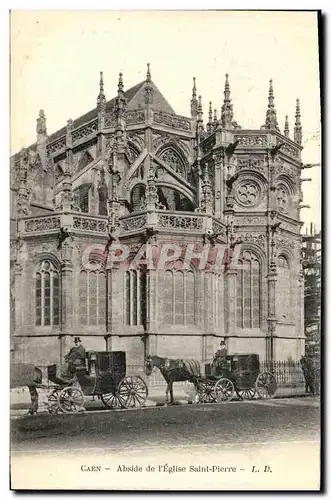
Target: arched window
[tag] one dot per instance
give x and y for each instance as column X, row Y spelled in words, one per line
column 92, row 298
column 174, row 161
column 248, row 291
column 283, row 291
column 137, row 196
column 103, row 196
column 179, row 298
column 135, row 297
column 47, row 295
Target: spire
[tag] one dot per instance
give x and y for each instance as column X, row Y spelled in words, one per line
column 120, row 85
column 286, row 127
column 194, row 101
column 200, row 113
column 101, row 100
column 120, row 101
column 41, row 124
column 271, row 117
column 215, row 117
column 148, row 75
column 297, row 136
column 210, row 118
column 227, row 108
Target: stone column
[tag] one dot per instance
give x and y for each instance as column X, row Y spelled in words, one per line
column 230, row 302
column 272, row 319
column 66, row 327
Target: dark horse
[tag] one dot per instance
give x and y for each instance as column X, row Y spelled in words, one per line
column 174, row 370
column 23, row 374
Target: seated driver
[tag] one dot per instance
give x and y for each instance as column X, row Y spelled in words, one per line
column 220, row 364
column 75, row 357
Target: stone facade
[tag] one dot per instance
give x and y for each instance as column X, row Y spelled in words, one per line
column 132, row 171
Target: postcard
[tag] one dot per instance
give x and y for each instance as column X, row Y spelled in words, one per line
column 165, row 259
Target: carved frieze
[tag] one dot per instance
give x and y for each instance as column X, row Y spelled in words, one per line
column 57, row 146
column 109, row 121
column 85, row 131
column 252, row 140
column 135, row 116
column 173, row 121
column 250, row 163
column 133, row 223
column 41, row 224
column 288, row 149
column 179, row 222
column 257, row 239
column 251, row 221
column 89, row 224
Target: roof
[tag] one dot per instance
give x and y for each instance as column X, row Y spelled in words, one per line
column 160, row 105
column 135, row 100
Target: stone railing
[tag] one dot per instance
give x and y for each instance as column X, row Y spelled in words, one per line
column 173, row 121
column 177, row 220
column 84, row 131
column 131, row 118
column 57, row 146
column 133, row 222
column 41, row 224
column 260, row 140
column 89, row 223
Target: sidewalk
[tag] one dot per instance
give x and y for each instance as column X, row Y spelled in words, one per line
column 20, row 398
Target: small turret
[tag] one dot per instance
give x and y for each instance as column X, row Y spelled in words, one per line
column 101, row 100
column 200, row 113
column 297, row 136
column 227, row 108
column 194, row 101
column 286, row 127
column 209, row 125
column 271, row 116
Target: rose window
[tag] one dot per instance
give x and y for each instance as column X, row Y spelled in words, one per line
column 174, row 161
column 282, row 198
column 248, row 193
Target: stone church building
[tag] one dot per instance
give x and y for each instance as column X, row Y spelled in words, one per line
column 132, row 171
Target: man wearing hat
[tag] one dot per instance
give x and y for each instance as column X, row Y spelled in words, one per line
column 75, row 357
column 219, row 363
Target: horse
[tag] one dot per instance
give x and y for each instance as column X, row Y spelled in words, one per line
column 174, row 370
column 24, row 374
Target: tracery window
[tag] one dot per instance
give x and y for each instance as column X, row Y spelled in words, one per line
column 179, row 298
column 248, row 291
column 92, row 298
column 282, row 197
column 173, row 160
column 135, row 297
column 47, row 295
column 81, row 195
column 283, row 288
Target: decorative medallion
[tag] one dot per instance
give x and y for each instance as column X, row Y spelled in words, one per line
column 248, row 193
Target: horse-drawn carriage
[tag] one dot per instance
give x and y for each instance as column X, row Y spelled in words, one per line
column 104, row 376
column 241, row 376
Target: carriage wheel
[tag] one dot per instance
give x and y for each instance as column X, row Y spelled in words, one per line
column 206, row 393
column 71, row 400
column 266, row 385
column 111, row 400
column 53, row 403
column 132, row 392
column 223, row 390
column 246, row 393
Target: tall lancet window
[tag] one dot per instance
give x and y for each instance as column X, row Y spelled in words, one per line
column 179, row 297
column 92, row 298
column 47, row 295
column 135, row 297
column 283, row 289
column 248, row 291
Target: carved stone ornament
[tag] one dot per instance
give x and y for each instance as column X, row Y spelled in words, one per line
column 250, row 163
column 133, row 223
column 252, row 140
column 173, row 121
column 42, row 224
column 248, row 193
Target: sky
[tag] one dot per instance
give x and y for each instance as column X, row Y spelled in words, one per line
column 56, row 57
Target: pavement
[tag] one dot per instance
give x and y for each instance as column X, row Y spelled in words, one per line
column 183, row 394
column 282, row 435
